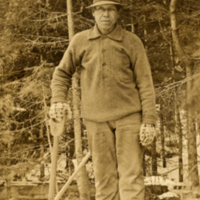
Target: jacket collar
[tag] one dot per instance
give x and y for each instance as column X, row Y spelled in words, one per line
column 116, row 34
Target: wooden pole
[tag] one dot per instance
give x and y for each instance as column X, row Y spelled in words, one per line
column 57, row 129
column 85, row 159
column 52, row 183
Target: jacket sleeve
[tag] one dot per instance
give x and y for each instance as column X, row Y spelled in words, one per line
column 142, row 73
column 63, row 73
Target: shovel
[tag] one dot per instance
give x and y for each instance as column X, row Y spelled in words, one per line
column 57, row 129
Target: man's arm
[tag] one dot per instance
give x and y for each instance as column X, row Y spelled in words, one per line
column 63, row 74
column 62, row 81
column 144, row 82
column 142, row 73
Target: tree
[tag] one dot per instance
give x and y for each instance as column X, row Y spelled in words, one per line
column 82, row 178
column 192, row 148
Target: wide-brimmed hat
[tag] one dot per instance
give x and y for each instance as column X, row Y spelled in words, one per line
column 101, row 2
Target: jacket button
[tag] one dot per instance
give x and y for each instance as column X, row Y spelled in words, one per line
column 103, row 64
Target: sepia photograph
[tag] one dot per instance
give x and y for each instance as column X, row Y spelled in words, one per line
column 99, row 99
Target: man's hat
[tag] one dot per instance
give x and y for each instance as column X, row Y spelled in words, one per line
column 101, row 2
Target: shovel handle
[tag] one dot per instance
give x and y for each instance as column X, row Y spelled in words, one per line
column 52, row 183
column 57, row 129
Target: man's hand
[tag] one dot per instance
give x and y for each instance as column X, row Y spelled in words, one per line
column 58, row 110
column 147, row 134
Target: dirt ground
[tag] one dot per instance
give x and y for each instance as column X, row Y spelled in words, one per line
column 40, row 192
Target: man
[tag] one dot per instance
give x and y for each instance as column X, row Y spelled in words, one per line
column 117, row 101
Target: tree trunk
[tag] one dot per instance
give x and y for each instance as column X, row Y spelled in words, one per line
column 8, row 174
column 42, row 168
column 144, row 163
column 192, row 149
column 154, row 159
column 177, row 120
column 162, row 136
column 1, row 80
column 180, row 147
column 82, row 179
column 47, row 3
column 132, row 22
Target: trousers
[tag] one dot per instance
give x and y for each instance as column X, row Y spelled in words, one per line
column 117, row 159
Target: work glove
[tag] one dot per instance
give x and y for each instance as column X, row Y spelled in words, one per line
column 147, row 134
column 58, row 111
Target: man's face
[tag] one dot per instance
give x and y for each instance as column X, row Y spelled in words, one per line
column 106, row 17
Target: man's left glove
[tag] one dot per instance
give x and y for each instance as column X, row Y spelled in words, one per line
column 147, row 134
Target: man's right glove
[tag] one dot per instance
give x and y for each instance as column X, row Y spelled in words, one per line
column 58, row 110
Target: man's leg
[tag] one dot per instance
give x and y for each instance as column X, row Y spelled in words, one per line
column 129, row 157
column 102, row 146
